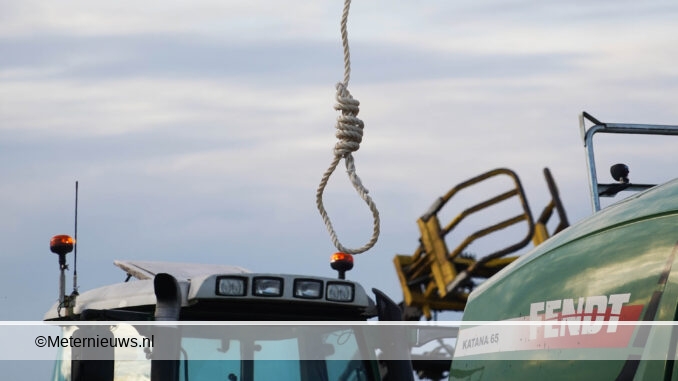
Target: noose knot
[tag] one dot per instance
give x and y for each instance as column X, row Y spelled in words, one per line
column 350, row 134
column 349, row 126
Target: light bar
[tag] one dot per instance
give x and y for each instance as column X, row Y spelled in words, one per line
column 339, row 292
column 265, row 286
column 231, row 286
column 274, row 286
column 308, row 289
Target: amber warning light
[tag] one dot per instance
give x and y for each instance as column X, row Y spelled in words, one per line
column 61, row 244
column 341, row 262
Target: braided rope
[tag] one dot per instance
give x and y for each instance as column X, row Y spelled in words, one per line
column 350, row 134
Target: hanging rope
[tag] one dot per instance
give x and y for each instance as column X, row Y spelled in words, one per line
column 350, row 134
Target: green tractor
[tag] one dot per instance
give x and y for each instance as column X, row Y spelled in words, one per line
column 597, row 300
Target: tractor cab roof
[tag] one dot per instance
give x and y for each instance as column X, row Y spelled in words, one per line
column 222, row 292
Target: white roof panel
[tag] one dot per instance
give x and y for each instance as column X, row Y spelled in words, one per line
column 182, row 271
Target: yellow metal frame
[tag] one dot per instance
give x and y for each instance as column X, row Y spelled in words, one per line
column 541, row 233
column 435, row 278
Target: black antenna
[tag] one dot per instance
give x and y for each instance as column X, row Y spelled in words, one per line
column 75, row 245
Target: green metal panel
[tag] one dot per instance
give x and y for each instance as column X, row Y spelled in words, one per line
column 620, row 259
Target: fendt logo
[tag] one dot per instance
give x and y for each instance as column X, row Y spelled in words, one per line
column 575, row 323
column 585, row 313
column 583, row 322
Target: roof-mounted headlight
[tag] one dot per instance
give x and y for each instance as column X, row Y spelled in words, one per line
column 308, row 288
column 265, row 286
column 340, row 292
column 231, row 286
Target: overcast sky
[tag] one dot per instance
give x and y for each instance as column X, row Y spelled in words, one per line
column 198, row 131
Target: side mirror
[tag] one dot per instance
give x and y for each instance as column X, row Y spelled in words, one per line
column 395, row 345
column 92, row 363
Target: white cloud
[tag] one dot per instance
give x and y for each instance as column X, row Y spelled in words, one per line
column 244, row 20
column 115, row 107
column 203, row 128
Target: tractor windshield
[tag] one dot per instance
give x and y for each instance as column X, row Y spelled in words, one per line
column 236, row 353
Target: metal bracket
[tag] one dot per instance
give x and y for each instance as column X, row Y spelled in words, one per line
column 609, row 190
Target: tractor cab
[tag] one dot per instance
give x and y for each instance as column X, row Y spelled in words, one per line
column 176, row 321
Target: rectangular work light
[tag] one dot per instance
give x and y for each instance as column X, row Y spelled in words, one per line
column 308, row 288
column 267, row 286
column 231, row 286
column 339, row 292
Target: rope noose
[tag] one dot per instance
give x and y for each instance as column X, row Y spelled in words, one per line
column 350, row 133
